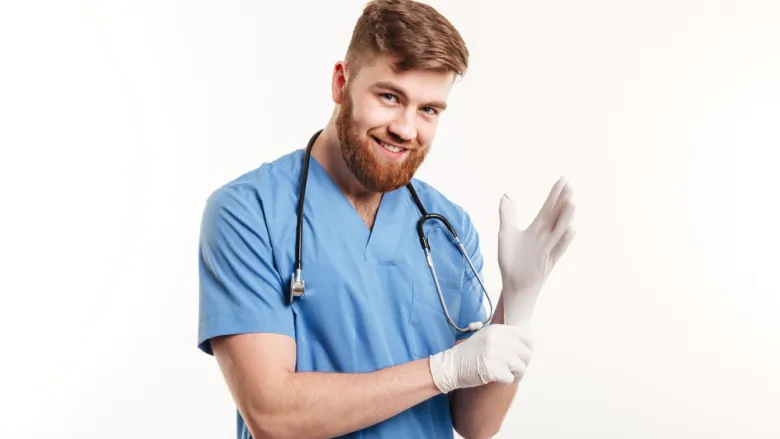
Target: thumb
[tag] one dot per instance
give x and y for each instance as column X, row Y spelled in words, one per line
column 505, row 376
column 507, row 212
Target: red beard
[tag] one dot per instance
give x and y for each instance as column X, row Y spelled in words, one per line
column 359, row 155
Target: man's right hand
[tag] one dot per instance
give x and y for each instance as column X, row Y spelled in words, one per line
column 496, row 353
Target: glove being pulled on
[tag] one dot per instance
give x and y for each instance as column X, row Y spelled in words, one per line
column 526, row 257
column 496, row 353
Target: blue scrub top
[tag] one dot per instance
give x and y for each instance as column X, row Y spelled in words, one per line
column 370, row 301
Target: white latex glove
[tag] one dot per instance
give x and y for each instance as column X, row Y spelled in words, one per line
column 526, row 257
column 499, row 353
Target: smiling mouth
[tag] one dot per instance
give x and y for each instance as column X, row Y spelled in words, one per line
column 391, row 148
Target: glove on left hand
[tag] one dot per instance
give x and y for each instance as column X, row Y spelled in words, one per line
column 526, row 257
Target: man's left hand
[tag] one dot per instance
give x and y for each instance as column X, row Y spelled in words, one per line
column 527, row 256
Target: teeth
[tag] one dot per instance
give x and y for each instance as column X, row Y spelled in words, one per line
column 391, row 148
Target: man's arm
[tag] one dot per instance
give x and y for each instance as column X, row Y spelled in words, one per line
column 525, row 257
column 277, row 402
column 245, row 323
column 478, row 412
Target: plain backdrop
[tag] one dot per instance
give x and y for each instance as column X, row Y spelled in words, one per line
column 118, row 119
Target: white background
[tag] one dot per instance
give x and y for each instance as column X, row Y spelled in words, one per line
column 118, row 118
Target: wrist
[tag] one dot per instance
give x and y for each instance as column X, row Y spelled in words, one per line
column 518, row 306
column 442, row 379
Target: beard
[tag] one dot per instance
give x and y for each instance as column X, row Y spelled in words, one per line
column 361, row 159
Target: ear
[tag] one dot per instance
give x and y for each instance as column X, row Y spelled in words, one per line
column 339, row 82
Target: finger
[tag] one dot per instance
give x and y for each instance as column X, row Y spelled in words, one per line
column 525, row 348
column 567, row 214
column 521, row 335
column 524, row 352
column 517, row 366
column 507, row 212
column 505, row 375
column 549, row 204
column 560, row 205
column 555, row 193
column 560, row 248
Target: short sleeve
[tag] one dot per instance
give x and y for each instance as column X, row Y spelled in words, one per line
column 240, row 290
column 472, row 307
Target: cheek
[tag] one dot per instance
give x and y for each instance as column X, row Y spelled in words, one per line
column 373, row 114
column 426, row 131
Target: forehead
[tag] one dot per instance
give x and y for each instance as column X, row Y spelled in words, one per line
column 419, row 85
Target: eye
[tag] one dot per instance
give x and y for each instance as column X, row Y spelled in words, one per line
column 431, row 111
column 388, row 97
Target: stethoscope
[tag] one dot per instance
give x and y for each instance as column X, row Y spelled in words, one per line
column 297, row 283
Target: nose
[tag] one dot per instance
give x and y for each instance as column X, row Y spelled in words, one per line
column 403, row 126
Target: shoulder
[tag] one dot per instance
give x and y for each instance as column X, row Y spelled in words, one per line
column 270, row 177
column 244, row 198
column 436, row 201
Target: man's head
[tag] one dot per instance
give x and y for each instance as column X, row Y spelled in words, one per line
column 392, row 88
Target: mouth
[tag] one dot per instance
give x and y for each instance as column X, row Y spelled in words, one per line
column 393, row 150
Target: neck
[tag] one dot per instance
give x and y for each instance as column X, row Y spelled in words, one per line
column 327, row 151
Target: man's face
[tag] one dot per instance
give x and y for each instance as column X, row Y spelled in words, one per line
column 383, row 111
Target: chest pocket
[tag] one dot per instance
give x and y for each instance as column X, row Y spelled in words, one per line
column 430, row 331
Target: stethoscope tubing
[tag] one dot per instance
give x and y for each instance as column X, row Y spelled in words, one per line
column 297, row 283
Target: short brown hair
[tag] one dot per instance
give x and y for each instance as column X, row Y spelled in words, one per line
column 413, row 33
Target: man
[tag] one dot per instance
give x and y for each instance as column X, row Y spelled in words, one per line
column 368, row 351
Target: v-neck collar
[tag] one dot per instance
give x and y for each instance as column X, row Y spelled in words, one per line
column 377, row 245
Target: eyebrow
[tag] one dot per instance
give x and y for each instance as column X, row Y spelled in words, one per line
column 399, row 91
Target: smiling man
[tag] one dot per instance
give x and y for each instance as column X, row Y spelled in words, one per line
column 368, row 351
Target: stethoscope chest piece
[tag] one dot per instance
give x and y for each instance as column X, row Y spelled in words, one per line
column 296, row 287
